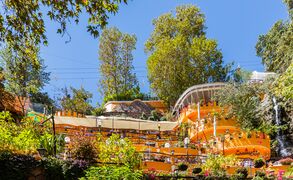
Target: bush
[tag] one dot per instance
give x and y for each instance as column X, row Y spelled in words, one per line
column 260, row 174
column 286, row 161
column 258, row 163
column 243, row 172
column 196, row 170
column 53, row 168
column 182, row 167
column 112, row 172
column 83, row 148
column 16, row 167
column 75, row 169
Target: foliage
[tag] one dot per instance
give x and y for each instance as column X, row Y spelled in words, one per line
column 22, row 77
column 182, row 167
column 79, row 102
column 118, row 82
column 42, row 98
column 118, row 151
column 246, row 103
column 131, row 94
column 258, row 163
column 47, row 142
column 154, row 116
column 26, row 137
column 53, row 168
column 143, row 116
column 16, row 166
column 181, row 55
column 83, row 148
column 22, row 21
column 242, row 172
column 112, row 172
column 286, row 161
column 216, row 164
column 284, row 84
column 74, row 169
column 196, row 170
column 99, row 111
column 17, row 139
column 276, row 47
column 289, row 172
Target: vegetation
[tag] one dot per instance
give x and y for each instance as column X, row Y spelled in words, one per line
column 118, row 82
column 276, row 47
column 42, row 98
column 197, row 170
column 22, row 22
column 112, row 172
column 258, row 163
column 22, row 77
column 27, row 137
column 83, row 148
column 181, row 55
column 216, row 165
column 77, row 101
column 182, row 167
column 118, row 151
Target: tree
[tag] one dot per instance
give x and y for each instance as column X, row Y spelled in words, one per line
column 42, row 98
column 22, row 77
column 21, row 21
column 284, row 84
column 115, row 55
column 79, row 101
column 276, row 47
column 181, row 55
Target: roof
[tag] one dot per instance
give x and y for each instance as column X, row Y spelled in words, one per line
column 116, row 123
column 142, row 106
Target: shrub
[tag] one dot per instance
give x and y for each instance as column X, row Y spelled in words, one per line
column 83, row 148
column 182, row 167
column 74, row 169
column 53, row 168
column 16, row 167
column 260, row 174
column 286, row 161
column 112, row 172
column 243, row 172
column 258, row 163
column 196, row 170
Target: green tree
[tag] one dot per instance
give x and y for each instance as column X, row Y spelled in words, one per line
column 22, row 77
column 78, row 100
column 118, row 82
column 284, row 84
column 181, row 55
column 21, row 21
column 276, row 47
column 42, row 98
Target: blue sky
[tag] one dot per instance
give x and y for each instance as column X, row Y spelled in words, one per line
column 235, row 24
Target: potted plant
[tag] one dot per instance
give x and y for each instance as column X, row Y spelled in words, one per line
column 242, row 172
column 249, row 135
column 182, row 167
column 258, row 163
column 196, row 170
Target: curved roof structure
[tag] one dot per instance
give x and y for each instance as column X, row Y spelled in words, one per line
column 197, row 93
